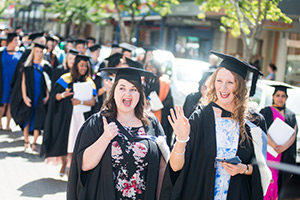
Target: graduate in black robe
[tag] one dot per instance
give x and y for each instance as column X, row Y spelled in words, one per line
column 30, row 95
column 118, row 142
column 289, row 154
column 65, row 67
column 162, row 87
column 192, row 100
column 193, row 172
column 61, row 123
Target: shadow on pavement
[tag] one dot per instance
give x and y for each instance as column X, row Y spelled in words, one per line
column 21, row 154
column 44, row 186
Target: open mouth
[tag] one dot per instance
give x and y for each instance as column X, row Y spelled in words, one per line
column 127, row 102
column 224, row 95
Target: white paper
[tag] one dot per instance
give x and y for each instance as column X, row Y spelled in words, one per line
column 155, row 102
column 272, row 151
column 83, row 91
column 280, row 131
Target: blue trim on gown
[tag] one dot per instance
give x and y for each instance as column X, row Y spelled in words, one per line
column 9, row 64
column 36, row 95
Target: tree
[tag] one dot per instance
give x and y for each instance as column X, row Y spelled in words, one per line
column 75, row 12
column 133, row 8
column 244, row 18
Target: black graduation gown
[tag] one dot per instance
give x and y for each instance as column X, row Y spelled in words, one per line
column 168, row 104
column 289, row 156
column 191, row 102
column 98, row 183
column 58, row 120
column 21, row 113
column 1, row 86
column 99, row 101
column 197, row 178
column 60, row 70
column 52, row 59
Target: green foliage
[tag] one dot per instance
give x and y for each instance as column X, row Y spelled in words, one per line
column 243, row 16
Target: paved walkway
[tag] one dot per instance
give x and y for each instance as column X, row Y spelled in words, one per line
column 24, row 175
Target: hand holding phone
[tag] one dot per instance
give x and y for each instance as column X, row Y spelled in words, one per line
column 234, row 160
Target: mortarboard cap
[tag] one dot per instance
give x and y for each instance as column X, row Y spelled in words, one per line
column 82, row 57
column 115, row 46
column 114, row 59
column 73, row 51
column 33, row 36
column 127, row 47
column 280, row 88
column 80, row 41
column 12, row 35
column 135, row 64
column 128, row 73
column 69, row 40
column 95, row 47
column 240, row 67
column 149, row 48
column 41, row 46
column 49, row 38
column 91, row 38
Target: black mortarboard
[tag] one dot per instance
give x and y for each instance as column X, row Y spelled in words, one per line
column 41, row 46
column 49, row 38
column 11, row 35
column 281, row 88
column 135, row 64
column 240, row 67
column 80, row 41
column 91, row 38
column 33, row 36
column 115, row 46
column 69, row 40
column 128, row 73
column 114, row 60
column 95, row 47
column 82, row 57
column 127, row 47
column 73, row 51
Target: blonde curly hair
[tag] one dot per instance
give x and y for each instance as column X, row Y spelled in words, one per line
column 240, row 100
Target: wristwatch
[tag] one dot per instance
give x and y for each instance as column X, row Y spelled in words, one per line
column 247, row 170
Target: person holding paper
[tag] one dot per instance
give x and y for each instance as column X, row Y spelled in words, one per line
column 219, row 131
column 120, row 153
column 287, row 151
column 30, row 95
column 163, row 91
column 62, row 123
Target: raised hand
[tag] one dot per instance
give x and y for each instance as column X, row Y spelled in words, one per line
column 179, row 123
column 110, row 129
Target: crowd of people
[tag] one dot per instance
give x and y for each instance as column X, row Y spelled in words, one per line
column 97, row 119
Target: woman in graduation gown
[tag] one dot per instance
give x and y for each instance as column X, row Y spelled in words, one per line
column 163, row 90
column 30, row 95
column 65, row 67
column 62, row 124
column 287, row 151
column 217, row 130
column 117, row 153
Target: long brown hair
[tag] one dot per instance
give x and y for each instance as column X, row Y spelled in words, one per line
column 75, row 73
column 109, row 107
column 240, row 100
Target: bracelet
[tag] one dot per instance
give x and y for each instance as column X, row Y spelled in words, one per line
column 81, row 102
column 180, row 154
column 182, row 141
column 62, row 95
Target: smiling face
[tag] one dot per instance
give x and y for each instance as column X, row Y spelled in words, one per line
column 38, row 55
column 279, row 98
column 82, row 67
column 126, row 96
column 70, row 60
column 225, row 86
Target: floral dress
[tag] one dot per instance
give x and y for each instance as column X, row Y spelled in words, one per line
column 227, row 136
column 130, row 164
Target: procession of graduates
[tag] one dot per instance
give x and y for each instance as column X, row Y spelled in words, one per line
column 214, row 147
